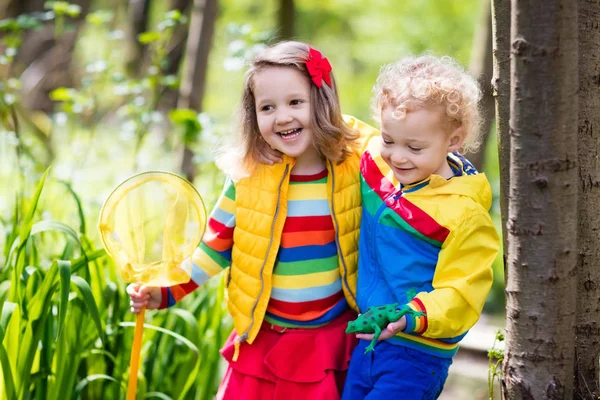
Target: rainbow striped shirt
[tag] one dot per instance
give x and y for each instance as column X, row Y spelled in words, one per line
column 307, row 285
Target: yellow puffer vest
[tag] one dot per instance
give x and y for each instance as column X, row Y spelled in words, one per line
column 261, row 210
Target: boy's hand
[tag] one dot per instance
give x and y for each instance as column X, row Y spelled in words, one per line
column 388, row 332
column 143, row 296
column 270, row 156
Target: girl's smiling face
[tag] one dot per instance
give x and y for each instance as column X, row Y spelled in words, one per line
column 283, row 111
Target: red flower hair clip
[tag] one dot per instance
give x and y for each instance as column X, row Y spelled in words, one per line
column 318, row 67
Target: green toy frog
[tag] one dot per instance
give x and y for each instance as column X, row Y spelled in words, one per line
column 377, row 318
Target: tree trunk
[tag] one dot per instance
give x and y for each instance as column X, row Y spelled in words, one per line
column 481, row 67
column 542, row 228
column 176, row 49
column 587, row 329
column 137, row 23
column 178, row 42
column 286, row 19
column 193, row 81
column 501, row 91
column 42, row 63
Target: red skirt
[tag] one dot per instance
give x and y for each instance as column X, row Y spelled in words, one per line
column 294, row 364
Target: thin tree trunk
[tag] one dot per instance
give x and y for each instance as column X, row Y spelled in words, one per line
column 481, row 67
column 138, row 14
column 587, row 329
column 541, row 282
column 286, row 19
column 193, row 81
column 176, row 50
column 178, row 41
column 501, row 91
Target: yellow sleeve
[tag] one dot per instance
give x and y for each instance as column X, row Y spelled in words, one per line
column 367, row 132
column 462, row 280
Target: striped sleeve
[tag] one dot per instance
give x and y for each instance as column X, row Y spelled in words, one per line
column 214, row 253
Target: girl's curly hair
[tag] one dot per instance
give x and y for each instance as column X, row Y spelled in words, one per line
column 428, row 80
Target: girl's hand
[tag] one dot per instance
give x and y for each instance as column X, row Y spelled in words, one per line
column 388, row 332
column 143, row 296
column 271, row 156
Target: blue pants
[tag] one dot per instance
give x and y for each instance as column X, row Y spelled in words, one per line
column 394, row 372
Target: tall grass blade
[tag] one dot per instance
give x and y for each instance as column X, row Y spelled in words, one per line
column 82, row 261
column 192, row 376
column 88, row 379
column 8, row 385
column 79, row 206
column 26, row 226
column 7, row 310
column 157, row 395
column 86, row 295
column 64, row 271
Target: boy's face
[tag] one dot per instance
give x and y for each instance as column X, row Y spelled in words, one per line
column 416, row 146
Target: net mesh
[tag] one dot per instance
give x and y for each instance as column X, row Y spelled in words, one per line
column 150, row 225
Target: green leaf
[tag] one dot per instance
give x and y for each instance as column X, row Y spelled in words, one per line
column 9, row 383
column 12, row 338
column 55, row 226
column 189, row 319
column 192, row 376
column 79, row 206
column 26, row 226
column 107, row 354
column 175, row 15
column 7, row 310
column 187, row 120
column 28, row 222
column 88, row 299
column 73, row 10
column 4, row 288
column 148, row 37
column 42, row 298
column 62, row 94
column 170, row 81
column 82, row 261
column 99, row 17
column 9, row 25
column 28, row 22
column 90, row 378
column 158, row 395
column 63, row 8
column 64, row 270
column 33, row 282
column 182, row 115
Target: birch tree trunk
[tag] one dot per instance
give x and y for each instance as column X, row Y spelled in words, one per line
column 541, row 279
column 587, row 329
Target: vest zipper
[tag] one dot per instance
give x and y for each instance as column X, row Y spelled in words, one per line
column 245, row 335
column 337, row 236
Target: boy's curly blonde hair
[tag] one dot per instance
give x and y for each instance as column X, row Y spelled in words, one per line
column 428, row 80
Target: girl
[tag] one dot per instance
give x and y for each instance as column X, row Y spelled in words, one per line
column 288, row 233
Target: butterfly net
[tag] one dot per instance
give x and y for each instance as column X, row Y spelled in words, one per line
column 150, row 225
